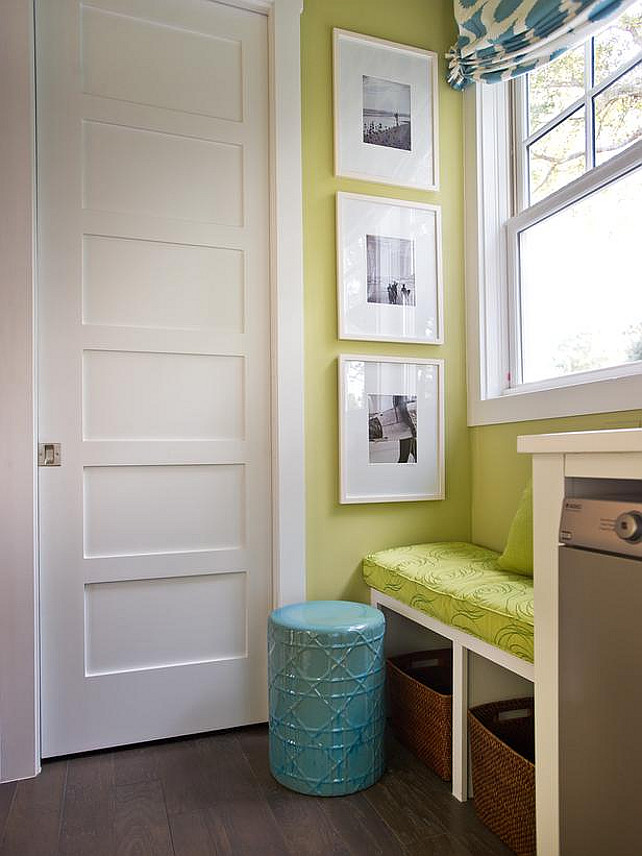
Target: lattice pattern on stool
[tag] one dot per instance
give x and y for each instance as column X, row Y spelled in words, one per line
column 327, row 711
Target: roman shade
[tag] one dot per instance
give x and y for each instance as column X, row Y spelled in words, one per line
column 501, row 39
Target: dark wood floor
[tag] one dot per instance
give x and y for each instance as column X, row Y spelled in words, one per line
column 214, row 795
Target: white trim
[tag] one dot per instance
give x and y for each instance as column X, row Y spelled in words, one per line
column 578, row 378
column 263, row 7
column 19, row 685
column 548, row 493
column 589, row 182
column 460, row 722
column 287, row 312
column 622, row 441
column 489, row 652
column 487, row 194
column 519, row 94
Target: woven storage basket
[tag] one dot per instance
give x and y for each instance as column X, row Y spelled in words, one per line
column 420, row 694
column 503, row 770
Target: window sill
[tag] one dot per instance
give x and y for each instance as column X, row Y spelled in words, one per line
column 609, row 395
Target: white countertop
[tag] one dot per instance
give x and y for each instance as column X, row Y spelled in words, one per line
column 619, row 440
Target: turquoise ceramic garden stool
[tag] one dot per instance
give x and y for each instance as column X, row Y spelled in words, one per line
column 327, row 710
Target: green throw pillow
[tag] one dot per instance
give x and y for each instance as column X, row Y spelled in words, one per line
column 518, row 553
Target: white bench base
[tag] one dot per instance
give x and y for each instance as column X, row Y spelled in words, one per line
column 462, row 644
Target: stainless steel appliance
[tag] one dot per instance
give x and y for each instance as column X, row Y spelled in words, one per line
column 600, row 677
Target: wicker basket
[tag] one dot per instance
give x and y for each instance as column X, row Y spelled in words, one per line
column 420, row 692
column 502, row 748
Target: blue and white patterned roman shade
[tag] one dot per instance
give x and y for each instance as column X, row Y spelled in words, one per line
column 500, row 39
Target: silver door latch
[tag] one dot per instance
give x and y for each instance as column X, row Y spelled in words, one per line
column 49, row 454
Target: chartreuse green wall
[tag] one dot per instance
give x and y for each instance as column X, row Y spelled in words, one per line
column 499, row 473
column 339, row 536
column 484, row 473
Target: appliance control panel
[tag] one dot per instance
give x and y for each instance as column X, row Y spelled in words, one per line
column 609, row 525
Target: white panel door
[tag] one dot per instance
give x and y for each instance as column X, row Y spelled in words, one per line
column 154, row 368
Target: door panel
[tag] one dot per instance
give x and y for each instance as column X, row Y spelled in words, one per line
column 151, row 67
column 134, row 171
column 154, row 369
column 133, row 283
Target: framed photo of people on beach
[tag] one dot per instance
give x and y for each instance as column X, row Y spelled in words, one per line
column 391, row 416
column 385, row 112
column 389, row 271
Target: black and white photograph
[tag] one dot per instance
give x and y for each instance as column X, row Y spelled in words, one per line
column 390, row 270
column 392, row 429
column 386, row 113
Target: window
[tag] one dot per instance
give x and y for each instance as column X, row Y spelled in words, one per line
column 579, row 111
column 580, row 284
column 559, row 227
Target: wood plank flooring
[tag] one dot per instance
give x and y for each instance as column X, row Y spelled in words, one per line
column 214, row 796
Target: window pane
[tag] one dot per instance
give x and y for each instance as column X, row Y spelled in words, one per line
column 619, row 43
column 558, row 157
column 581, row 282
column 554, row 87
column 618, row 115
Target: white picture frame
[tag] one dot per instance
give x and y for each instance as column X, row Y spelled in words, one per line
column 379, row 400
column 385, row 112
column 389, row 270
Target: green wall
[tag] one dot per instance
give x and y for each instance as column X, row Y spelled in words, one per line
column 340, row 535
column 499, row 473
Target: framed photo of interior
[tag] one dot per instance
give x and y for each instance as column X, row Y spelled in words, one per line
column 389, row 270
column 385, row 112
column 391, row 429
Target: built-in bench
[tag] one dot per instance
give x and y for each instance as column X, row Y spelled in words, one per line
column 461, row 592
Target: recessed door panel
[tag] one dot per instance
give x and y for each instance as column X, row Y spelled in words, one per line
column 161, row 623
column 161, row 65
column 134, row 171
column 137, row 283
column 131, row 395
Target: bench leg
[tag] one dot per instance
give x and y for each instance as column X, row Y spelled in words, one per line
column 460, row 722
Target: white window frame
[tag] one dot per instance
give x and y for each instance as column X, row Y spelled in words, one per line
column 492, row 294
column 524, row 139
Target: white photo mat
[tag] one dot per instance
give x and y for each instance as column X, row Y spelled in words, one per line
column 378, row 398
column 389, row 270
column 385, row 112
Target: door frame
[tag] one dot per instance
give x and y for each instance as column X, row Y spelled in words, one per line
column 19, row 603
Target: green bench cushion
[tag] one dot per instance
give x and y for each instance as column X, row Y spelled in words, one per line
column 462, row 585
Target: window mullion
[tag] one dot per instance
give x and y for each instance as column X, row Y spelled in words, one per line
column 589, row 123
column 619, row 72
column 555, row 121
